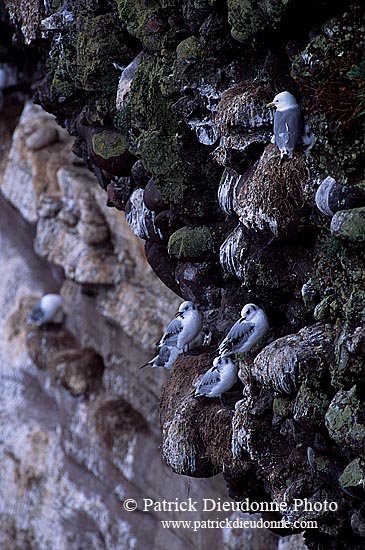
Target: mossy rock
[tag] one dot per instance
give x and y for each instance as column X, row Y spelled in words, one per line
column 99, row 41
column 152, row 24
column 192, row 243
column 109, row 151
column 203, row 4
column 81, row 63
column 326, row 309
column 181, row 167
column 249, row 17
column 336, row 101
column 108, row 144
column 355, row 306
column 345, row 422
column 349, row 225
column 310, row 406
column 190, row 49
column 353, row 477
column 283, row 407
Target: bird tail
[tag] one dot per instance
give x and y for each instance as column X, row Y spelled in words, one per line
column 145, row 365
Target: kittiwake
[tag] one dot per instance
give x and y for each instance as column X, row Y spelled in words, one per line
column 203, row 339
column 47, row 310
column 165, row 358
column 288, row 124
column 184, row 328
column 219, row 378
column 246, row 332
column 167, row 355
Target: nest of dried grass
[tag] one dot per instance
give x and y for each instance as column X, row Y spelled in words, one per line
column 274, row 195
column 243, row 106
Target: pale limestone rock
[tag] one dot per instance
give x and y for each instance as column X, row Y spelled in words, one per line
column 93, row 234
column 42, row 138
column 28, row 174
column 28, row 16
column 125, row 81
column 73, row 222
column 64, row 478
column 294, row 542
column 239, row 538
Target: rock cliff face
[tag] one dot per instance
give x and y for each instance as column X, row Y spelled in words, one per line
column 79, row 420
column 167, row 104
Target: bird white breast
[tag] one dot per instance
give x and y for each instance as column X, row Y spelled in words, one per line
column 261, row 326
column 229, row 376
column 192, row 323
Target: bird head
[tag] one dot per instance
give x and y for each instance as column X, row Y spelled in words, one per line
column 283, row 101
column 249, row 311
column 184, row 308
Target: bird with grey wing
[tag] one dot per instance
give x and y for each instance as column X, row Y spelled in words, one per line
column 184, row 328
column 218, row 379
column 47, row 310
column 288, row 123
column 246, row 332
column 165, row 358
column 183, row 333
column 243, row 335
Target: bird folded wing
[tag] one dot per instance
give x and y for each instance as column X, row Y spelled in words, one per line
column 239, row 334
column 209, row 380
column 171, row 334
column 285, row 135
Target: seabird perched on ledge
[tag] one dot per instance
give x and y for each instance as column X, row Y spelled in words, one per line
column 288, row 123
column 218, row 379
column 47, row 310
column 246, row 332
column 184, row 328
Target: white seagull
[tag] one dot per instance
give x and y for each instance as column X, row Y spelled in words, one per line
column 246, row 332
column 184, row 328
column 288, row 124
column 47, row 310
column 219, row 378
column 203, row 339
column 167, row 355
column 165, row 358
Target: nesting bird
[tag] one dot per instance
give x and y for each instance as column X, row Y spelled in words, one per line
column 288, row 124
column 165, row 358
column 167, row 355
column 202, row 339
column 219, row 378
column 184, row 328
column 182, row 334
column 246, row 332
column 47, row 310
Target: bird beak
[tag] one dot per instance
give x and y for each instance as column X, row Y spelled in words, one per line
column 270, row 104
column 178, row 314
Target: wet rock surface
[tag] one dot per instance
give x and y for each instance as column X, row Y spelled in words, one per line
column 167, row 104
